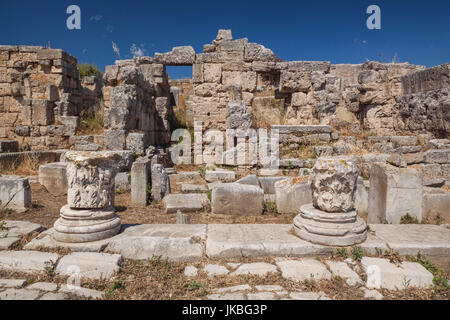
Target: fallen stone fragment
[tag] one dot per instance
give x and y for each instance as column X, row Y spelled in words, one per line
column 215, row 270
column 43, row 286
column 19, row 294
column 80, row 291
column 383, row 274
column 304, row 269
column 12, row 283
column 27, row 261
column 91, row 265
column 257, row 268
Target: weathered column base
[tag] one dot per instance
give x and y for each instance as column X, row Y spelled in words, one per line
column 75, row 226
column 331, row 229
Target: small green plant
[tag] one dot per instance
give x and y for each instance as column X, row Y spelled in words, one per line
column 342, row 252
column 148, row 191
column 197, row 286
column 93, row 120
column 2, row 224
column 407, row 219
column 357, row 253
column 440, row 280
column 116, row 285
column 209, row 194
column 368, row 229
column 271, row 207
column 87, row 69
column 202, row 171
column 310, row 283
column 50, row 267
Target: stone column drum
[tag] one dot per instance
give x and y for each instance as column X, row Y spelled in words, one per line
column 89, row 214
column 331, row 219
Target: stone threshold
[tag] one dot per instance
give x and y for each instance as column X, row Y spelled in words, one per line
column 194, row 242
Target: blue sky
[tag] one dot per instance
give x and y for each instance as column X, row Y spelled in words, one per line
column 415, row 31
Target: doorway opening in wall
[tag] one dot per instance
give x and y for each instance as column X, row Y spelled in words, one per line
column 181, row 88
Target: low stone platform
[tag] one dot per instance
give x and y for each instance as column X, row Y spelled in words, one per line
column 192, row 242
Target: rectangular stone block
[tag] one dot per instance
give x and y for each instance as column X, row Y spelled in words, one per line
column 15, row 193
column 140, row 177
column 42, row 112
column 115, row 139
column 9, row 146
column 394, row 192
column 53, row 176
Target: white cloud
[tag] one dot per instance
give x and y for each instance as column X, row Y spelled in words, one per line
column 97, row 17
column 138, row 51
column 84, row 51
column 116, row 49
column 110, row 28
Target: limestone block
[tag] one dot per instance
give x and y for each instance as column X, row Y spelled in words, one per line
column 304, row 269
column 383, row 274
column 117, row 118
column 9, row 146
column 42, row 113
column 299, row 99
column 333, row 184
column 160, row 182
column 436, row 205
column 115, row 139
column 122, row 181
column 291, row 194
column 26, row 261
column 256, row 268
column 212, row 72
column 179, row 56
column 53, row 176
column 189, row 202
column 140, row 177
column 237, row 199
column 394, row 192
column 15, row 193
column 136, row 143
column 361, row 197
column 437, row 156
column 91, row 265
column 90, row 177
column 251, row 179
column 219, row 175
column 268, row 183
column 232, row 78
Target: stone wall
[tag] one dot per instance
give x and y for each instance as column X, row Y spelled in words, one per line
column 137, row 101
column 40, row 96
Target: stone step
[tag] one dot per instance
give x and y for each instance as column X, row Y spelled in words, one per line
column 27, row 261
column 90, row 265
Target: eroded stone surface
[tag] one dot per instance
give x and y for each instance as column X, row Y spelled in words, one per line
column 257, row 268
column 89, row 265
column 189, row 202
column 304, row 269
column 237, row 199
column 333, row 184
column 27, row 261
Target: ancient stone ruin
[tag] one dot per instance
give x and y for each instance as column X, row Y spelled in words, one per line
column 218, row 166
column 331, row 219
column 89, row 214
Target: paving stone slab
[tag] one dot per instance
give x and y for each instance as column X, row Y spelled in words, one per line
column 80, row 291
column 90, row 265
column 226, row 296
column 171, row 241
column 269, row 288
column 220, row 175
column 190, row 202
column 187, row 187
column 186, row 175
column 43, row 286
column 381, row 273
column 12, row 283
column 410, row 239
column 304, row 269
column 261, row 296
column 19, row 294
column 257, row 268
column 26, row 261
column 242, row 287
column 190, row 271
column 8, row 242
column 372, row 294
column 21, row 228
column 341, row 269
column 257, row 240
column 54, row 296
column 46, row 241
column 372, row 244
column 304, row 295
column 215, row 270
